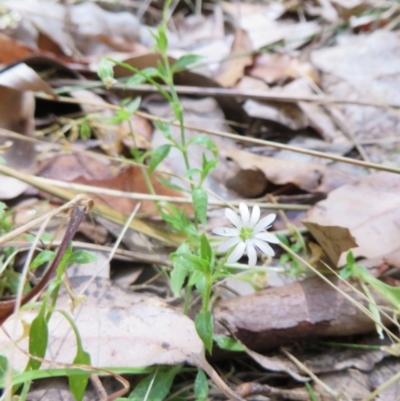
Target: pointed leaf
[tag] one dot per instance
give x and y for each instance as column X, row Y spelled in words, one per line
column 205, row 327
column 200, row 203
column 158, row 156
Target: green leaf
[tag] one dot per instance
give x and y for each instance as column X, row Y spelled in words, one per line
column 283, row 239
column 133, row 106
column 84, row 130
column 170, row 185
column 162, row 41
column 143, row 76
column 3, row 366
column 200, row 281
column 178, row 276
column 82, row 257
column 346, row 272
column 184, row 61
column 78, row 384
column 106, row 73
column 65, row 260
column 178, row 220
column 229, row 344
column 42, row 258
column 284, row 259
column 158, row 156
column 164, row 128
column 160, row 387
column 13, row 281
column 200, row 202
column 201, row 386
column 3, row 207
column 178, row 110
column 38, row 339
column 206, row 142
column 208, row 165
column 205, row 327
column 205, row 248
column 195, row 277
column 192, row 262
column 105, row 69
column 350, row 259
column 313, row 396
column 392, row 294
column 161, row 69
column 191, row 172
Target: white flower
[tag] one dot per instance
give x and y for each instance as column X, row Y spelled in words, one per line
column 248, row 235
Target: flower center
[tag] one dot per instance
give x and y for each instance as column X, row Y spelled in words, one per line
column 246, row 233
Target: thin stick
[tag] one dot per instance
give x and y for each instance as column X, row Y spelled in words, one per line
column 305, row 369
column 209, row 91
column 150, row 197
column 38, row 220
column 123, row 254
column 114, row 248
column 241, row 138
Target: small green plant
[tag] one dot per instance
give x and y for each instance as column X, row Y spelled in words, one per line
column 298, row 246
column 38, row 331
column 196, row 262
column 364, row 277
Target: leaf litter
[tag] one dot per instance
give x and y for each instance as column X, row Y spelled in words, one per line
column 278, row 48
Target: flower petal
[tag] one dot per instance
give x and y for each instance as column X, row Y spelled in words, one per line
column 226, row 231
column 264, row 222
column 228, row 244
column 255, row 216
column 237, row 253
column 251, row 253
column 265, row 236
column 244, row 212
column 233, row 218
column 263, row 247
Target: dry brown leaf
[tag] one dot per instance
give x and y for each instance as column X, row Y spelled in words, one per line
column 23, row 78
column 365, row 213
column 13, row 50
column 84, row 169
column 334, row 360
column 317, row 116
column 311, row 177
column 367, row 68
column 351, row 383
column 120, row 328
column 240, row 57
column 287, row 114
column 17, row 114
column 273, row 363
column 241, row 9
column 381, row 375
column 272, row 68
column 263, row 31
column 294, row 116
column 95, row 30
column 197, row 29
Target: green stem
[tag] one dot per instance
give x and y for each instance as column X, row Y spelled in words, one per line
column 188, row 293
column 206, row 299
